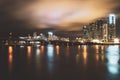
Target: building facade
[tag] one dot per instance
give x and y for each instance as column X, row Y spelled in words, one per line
column 111, row 27
column 103, row 29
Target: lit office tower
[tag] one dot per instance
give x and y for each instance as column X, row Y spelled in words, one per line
column 50, row 35
column 112, row 27
column 105, row 32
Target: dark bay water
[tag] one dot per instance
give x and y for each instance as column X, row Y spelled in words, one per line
column 54, row 62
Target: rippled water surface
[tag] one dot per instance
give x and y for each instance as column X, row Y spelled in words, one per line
column 60, row 62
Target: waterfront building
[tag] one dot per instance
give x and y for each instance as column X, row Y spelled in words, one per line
column 105, row 32
column 85, row 32
column 112, row 27
column 93, row 34
column 35, row 35
column 103, row 29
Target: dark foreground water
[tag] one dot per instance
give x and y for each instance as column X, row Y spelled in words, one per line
column 51, row 62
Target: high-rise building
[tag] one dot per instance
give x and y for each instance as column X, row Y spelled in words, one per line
column 35, row 35
column 105, row 32
column 93, row 31
column 111, row 27
column 99, row 24
column 102, row 29
column 85, row 32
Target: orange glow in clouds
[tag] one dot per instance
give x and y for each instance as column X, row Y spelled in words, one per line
column 47, row 13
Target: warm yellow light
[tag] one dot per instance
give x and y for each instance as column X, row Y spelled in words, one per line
column 29, row 50
column 57, row 49
column 10, row 49
column 85, row 54
column 10, row 58
column 95, row 41
column 79, row 47
column 116, row 40
column 42, row 49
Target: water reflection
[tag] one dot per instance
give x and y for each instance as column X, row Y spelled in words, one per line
column 50, row 58
column 113, row 58
column 101, row 51
column 97, row 57
column 77, row 58
column 67, row 51
column 10, row 57
column 42, row 48
column 97, row 48
column 57, row 49
column 38, row 59
column 78, row 55
column 85, row 54
column 29, row 51
column 37, row 51
column 92, row 62
column 78, row 49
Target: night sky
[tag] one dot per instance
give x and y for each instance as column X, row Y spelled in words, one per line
column 23, row 15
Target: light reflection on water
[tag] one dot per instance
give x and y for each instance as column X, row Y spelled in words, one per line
column 29, row 49
column 67, row 51
column 113, row 58
column 78, row 55
column 38, row 60
column 57, row 49
column 46, row 57
column 42, row 48
column 85, row 54
column 10, row 57
column 50, row 58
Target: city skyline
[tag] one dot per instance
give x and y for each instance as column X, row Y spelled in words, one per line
column 59, row 39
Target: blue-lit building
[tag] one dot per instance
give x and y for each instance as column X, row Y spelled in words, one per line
column 111, row 27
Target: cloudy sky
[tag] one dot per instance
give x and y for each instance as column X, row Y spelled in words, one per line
column 57, row 14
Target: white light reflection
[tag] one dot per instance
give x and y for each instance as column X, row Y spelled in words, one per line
column 37, row 45
column 113, row 58
column 38, row 65
column 21, row 46
column 50, row 50
column 50, row 56
column 37, row 51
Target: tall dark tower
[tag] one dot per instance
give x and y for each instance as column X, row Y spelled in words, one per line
column 112, row 27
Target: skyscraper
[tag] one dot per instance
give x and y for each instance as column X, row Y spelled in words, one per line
column 85, row 32
column 105, row 32
column 111, row 27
